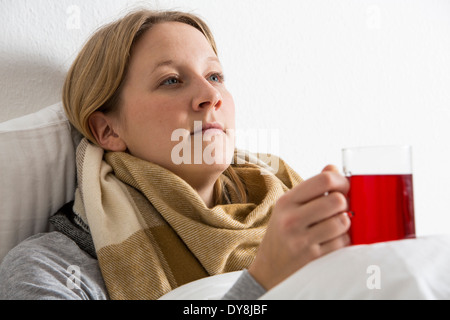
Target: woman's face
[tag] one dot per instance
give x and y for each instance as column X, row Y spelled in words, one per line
column 173, row 92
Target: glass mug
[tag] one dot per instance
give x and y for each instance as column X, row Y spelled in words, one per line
column 381, row 201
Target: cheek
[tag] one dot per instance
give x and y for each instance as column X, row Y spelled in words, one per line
column 149, row 114
column 144, row 130
column 229, row 110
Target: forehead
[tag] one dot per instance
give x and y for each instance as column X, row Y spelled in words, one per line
column 172, row 39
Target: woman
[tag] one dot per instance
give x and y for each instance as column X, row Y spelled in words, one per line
column 161, row 200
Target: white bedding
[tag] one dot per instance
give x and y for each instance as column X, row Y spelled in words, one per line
column 408, row 269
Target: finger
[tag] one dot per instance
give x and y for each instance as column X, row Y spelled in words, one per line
column 330, row 167
column 317, row 186
column 330, row 228
column 335, row 244
column 321, row 208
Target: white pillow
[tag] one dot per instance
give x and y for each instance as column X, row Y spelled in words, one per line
column 209, row 288
column 406, row 269
column 37, row 172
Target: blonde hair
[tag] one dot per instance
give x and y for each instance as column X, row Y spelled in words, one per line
column 95, row 79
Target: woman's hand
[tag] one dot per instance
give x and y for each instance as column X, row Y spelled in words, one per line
column 307, row 222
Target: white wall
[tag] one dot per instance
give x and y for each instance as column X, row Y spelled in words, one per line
column 321, row 74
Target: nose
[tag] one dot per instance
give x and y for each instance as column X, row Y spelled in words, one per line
column 207, row 96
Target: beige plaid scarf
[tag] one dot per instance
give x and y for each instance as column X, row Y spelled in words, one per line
column 151, row 230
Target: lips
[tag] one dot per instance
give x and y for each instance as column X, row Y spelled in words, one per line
column 200, row 127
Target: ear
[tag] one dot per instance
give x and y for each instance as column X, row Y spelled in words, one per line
column 102, row 127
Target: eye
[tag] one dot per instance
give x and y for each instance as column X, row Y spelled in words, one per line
column 170, row 81
column 216, row 77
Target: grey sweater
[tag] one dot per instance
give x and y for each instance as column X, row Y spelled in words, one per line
column 44, row 267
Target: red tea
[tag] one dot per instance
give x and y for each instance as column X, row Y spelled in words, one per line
column 382, row 207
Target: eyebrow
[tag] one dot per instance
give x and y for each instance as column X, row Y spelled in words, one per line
column 171, row 62
column 162, row 64
column 213, row 58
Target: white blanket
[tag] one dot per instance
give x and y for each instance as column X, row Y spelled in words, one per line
column 408, row 269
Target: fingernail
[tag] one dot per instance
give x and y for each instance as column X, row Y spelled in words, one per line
column 345, row 218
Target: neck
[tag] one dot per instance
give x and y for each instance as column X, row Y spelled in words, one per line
column 205, row 189
column 202, row 180
column 207, row 194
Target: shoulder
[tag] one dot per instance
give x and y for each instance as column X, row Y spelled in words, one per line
column 50, row 266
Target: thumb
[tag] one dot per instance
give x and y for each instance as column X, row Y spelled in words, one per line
column 330, row 167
